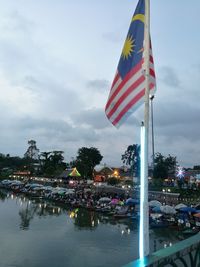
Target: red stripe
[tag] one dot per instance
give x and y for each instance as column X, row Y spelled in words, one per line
column 115, row 79
column 128, row 106
column 152, row 73
column 126, row 94
column 151, row 59
column 127, row 77
column 151, row 86
column 131, row 104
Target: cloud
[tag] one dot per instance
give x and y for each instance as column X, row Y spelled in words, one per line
column 169, row 76
column 99, row 85
column 45, row 93
column 50, row 134
column 94, row 118
column 175, row 113
column 17, row 23
column 54, row 98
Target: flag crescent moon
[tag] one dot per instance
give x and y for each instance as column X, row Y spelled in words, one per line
column 140, row 17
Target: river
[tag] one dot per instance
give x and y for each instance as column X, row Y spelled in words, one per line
column 37, row 233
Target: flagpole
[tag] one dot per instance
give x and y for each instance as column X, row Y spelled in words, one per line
column 144, row 209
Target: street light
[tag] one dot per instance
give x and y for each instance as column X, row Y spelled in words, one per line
column 152, row 131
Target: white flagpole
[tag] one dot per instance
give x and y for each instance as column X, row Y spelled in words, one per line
column 144, row 208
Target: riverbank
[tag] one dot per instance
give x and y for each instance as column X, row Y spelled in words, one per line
column 118, row 205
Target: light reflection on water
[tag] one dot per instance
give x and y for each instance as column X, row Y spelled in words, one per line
column 41, row 233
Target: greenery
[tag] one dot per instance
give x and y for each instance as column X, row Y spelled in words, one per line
column 86, row 160
column 164, row 166
column 46, row 163
column 49, row 163
column 52, row 163
column 156, row 184
column 131, row 158
column 10, row 164
column 196, row 167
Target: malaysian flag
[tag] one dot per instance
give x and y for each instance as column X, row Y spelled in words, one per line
column 128, row 88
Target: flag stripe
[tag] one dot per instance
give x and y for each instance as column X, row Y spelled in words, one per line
column 117, row 80
column 122, row 85
column 127, row 92
column 138, row 97
column 127, row 100
column 129, row 105
column 118, row 88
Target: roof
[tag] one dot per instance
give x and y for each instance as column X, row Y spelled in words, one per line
column 71, row 172
column 74, row 173
column 100, row 167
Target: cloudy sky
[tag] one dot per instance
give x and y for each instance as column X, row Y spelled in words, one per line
column 57, row 62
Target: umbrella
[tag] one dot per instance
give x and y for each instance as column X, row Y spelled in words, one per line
column 38, row 188
column 155, row 203
column 131, row 201
column 187, row 209
column 104, row 199
column 167, row 209
column 180, row 206
column 156, row 215
column 61, row 192
column 114, row 201
column 156, row 209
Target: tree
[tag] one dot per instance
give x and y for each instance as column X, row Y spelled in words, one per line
column 32, row 151
column 52, row 163
column 164, row 166
column 131, row 158
column 86, row 160
column 196, row 167
column 9, row 164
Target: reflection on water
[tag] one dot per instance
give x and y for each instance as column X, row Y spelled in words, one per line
column 82, row 219
column 34, row 208
column 57, row 233
column 3, row 195
column 26, row 214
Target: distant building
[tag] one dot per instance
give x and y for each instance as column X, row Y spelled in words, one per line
column 22, row 173
column 192, row 175
column 103, row 172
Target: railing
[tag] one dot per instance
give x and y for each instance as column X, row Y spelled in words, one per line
column 185, row 253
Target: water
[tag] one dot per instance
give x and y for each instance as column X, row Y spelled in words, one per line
column 37, row 233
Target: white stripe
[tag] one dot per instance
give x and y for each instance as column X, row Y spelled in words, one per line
column 135, row 77
column 150, row 53
column 123, row 90
column 117, row 83
column 129, row 112
column 127, row 100
column 151, row 66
